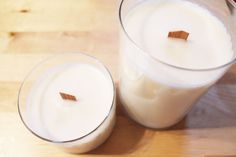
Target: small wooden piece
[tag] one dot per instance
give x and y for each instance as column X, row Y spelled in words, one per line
column 178, row 34
column 24, row 11
column 66, row 96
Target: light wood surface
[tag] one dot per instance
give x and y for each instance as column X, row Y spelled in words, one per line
column 31, row 30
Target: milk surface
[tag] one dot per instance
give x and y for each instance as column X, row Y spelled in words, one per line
column 157, row 95
column 57, row 119
column 208, row 45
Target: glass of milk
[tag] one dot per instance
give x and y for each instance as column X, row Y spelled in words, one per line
column 77, row 125
column 161, row 78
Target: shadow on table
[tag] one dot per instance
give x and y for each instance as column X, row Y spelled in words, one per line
column 216, row 109
column 126, row 137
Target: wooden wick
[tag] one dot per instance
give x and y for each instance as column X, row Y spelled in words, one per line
column 66, row 96
column 178, row 34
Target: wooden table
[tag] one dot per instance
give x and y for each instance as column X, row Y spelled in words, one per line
column 32, row 30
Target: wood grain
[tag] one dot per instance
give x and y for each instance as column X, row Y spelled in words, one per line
column 31, row 30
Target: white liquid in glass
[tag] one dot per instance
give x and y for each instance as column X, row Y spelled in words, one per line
column 57, row 119
column 157, row 95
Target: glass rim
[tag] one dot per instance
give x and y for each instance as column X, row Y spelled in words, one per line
column 145, row 53
column 48, row 59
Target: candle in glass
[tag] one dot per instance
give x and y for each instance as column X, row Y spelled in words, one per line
column 69, row 100
column 162, row 77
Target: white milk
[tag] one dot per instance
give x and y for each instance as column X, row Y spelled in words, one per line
column 57, row 119
column 157, row 95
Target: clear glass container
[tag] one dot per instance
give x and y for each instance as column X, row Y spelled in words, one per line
column 156, row 93
column 81, row 144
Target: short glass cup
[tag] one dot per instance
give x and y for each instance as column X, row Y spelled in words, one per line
column 92, row 139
